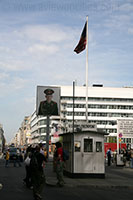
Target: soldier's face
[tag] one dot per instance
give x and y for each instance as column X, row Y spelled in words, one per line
column 49, row 98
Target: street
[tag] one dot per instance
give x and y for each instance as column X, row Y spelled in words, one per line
column 13, row 188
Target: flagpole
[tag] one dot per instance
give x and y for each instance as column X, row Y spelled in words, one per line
column 87, row 69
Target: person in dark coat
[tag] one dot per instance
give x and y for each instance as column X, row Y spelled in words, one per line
column 27, row 179
column 48, row 107
column 109, row 156
column 37, row 164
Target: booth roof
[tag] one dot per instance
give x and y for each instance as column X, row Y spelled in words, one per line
column 78, row 132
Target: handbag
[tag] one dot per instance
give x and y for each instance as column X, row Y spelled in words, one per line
column 27, row 161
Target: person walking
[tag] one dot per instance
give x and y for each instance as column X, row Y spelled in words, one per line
column 131, row 158
column 124, row 156
column 7, row 157
column 17, row 159
column 109, row 156
column 27, row 156
column 37, row 163
column 59, row 164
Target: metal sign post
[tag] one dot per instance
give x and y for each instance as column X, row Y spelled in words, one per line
column 47, row 137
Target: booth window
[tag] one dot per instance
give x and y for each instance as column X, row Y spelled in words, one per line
column 77, row 146
column 98, row 146
column 88, row 145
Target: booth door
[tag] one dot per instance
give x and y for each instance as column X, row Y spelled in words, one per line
column 87, row 155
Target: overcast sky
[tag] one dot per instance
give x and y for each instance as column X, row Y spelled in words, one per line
column 37, row 39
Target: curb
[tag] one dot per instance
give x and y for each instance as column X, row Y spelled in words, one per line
column 50, row 184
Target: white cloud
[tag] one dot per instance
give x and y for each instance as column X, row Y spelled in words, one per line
column 117, row 21
column 12, row 85
column 126, row 7
column 5, row 49
column 30, row 100
column 45, row 49
column 18, row 83
column 4, row 76
column 12, row 64
column 47, row 33
column 130, row 30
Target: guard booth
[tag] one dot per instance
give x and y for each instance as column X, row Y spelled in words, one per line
column 86, row 154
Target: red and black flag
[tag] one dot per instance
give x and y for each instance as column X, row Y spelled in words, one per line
column 82, row 42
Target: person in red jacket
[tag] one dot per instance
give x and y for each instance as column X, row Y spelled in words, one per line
column 59, row 164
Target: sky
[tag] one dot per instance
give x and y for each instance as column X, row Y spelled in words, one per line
column 37, row 41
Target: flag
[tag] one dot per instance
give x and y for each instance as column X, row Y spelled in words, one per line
column 82, row 42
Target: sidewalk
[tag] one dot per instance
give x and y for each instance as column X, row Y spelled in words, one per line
column 115, row 177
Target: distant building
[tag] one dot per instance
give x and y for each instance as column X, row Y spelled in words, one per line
column 23, row 135
column 105, row 106
column 2, row 139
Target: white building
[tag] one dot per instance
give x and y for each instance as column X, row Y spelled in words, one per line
column 23, row 135
column 105, row 106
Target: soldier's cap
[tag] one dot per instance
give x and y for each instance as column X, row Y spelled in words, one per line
column 48, row 91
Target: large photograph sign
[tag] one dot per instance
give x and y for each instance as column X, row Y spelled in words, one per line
column 48, row 101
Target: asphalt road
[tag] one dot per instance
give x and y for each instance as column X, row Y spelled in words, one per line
column 13, row 188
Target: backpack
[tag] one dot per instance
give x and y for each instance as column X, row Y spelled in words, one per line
column 109, row 154
column 33, row 162
column 65, row 155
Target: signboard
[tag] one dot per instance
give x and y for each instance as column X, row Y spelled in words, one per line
column 125, row 128
column 48, row 101
column 120, row 135
column 28, row 135
column 83, row 127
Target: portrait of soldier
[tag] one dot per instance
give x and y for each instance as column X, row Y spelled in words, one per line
column 48, row 107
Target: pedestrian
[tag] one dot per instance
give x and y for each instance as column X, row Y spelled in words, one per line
column 17, row 158
column 109, row 156
column 45, row 153
column 58, row 156
column 41, row 148
column 128, row 157
column 1, row 186
column 124, row 156
column 37, row 165
column 27, row 156
column 131, row 158
column 7, row 157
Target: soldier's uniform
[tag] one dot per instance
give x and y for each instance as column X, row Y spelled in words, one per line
column 46, row 108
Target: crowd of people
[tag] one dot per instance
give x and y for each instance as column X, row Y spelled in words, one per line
column 16, row 158
column 35, row 158
column 127, row 156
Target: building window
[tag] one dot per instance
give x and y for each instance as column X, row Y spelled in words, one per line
column 42, row 122
column 43, row 138
column 88, row 145
column 42, row 130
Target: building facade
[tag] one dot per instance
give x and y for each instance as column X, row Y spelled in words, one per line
column 105, row 106
column 23, row 135
column 2, row 139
